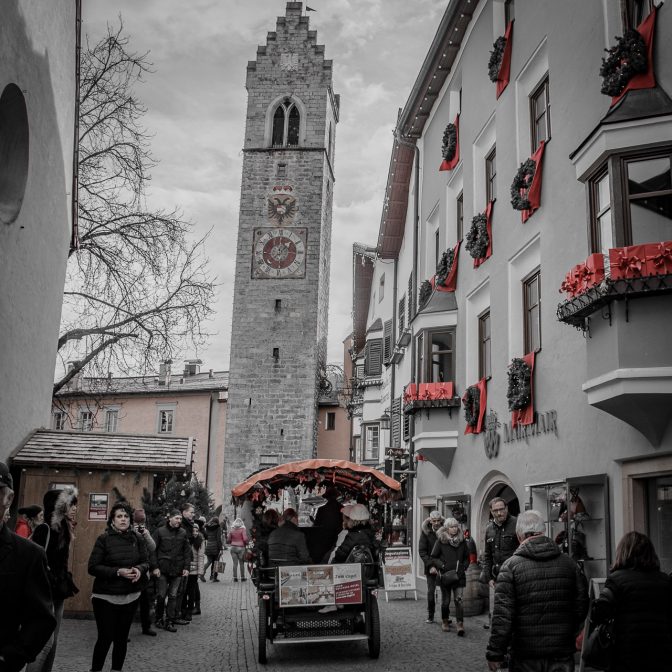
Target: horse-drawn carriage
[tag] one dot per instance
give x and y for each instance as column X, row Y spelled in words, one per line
column 317, row 602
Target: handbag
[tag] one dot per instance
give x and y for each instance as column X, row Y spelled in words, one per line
column 449, row 577
column 219, row 565
column 599, row 647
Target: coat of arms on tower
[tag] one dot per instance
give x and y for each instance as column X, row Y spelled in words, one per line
column 282, row 206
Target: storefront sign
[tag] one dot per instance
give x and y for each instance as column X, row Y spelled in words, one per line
column 98, row 502
column 544, row 423
column 398, row 571
column 308, row 585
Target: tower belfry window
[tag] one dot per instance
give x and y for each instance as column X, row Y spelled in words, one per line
column 286, row 125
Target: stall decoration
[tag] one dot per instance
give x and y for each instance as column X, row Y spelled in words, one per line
column 479, row 236
column 450, row 149
column 526, row 186
column 474, row 401
column 521, row 390
column 499, row 66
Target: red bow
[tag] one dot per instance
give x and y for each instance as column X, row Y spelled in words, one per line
column 662, row 256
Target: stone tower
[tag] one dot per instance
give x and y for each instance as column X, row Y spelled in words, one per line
column 281, row 294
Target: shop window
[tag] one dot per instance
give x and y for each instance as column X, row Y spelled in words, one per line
column 532, row 312
column 484, row 346
column 659, row 504
column 540, row 114
column 436, row 355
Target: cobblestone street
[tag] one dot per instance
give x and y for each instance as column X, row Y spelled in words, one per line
column 223, row 638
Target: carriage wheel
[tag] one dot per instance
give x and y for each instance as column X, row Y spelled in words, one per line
column 374, row 627
column 263, row 629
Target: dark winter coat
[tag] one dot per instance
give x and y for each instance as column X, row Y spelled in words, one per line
column 26, row 617
column 328, row 523
column 426, row 543
column 500, row 543
column 540, row 603
column 357, row 536
column 112, row 551
column 445, row 556
column 287, row 546
column 173, row 552
column 642, row 609
column 213, row 540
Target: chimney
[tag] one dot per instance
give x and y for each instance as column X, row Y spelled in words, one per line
column 192, row 367
column 164, row 372
column 76, row 381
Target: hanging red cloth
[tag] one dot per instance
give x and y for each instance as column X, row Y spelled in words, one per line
column 644, row 80
column 451, row 281
column 534, row 192
column 482, row 387
column 504, row 73
column 525, row 416
column 449, row 165
column 488, row 226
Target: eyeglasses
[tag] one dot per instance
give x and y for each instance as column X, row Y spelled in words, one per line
column 499, row 510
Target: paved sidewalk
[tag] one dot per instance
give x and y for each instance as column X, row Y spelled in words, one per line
column 224, row 638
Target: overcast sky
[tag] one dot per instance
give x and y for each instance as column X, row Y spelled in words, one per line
column 197, row 102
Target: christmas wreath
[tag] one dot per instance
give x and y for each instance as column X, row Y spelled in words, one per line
column 444, row 267
column 519, row 392
column 449, row 146
column 624, row 60
column 472, row 405
column 496, row 56
column 522, row 183
column 477, row 237
column 426, row 290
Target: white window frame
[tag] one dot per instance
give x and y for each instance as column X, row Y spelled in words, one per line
column 521, row 265
column 161, row 411
column 111, row 412
column 85, row 423
column 59, row 418
column 371, row 448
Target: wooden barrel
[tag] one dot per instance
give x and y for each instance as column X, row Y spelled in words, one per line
column 474, row 604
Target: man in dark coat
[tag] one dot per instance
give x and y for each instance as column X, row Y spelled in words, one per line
column 430, row 526
column 173, row 555
column 541, row 602
column 327, row 524
column 26, row 618
column 287, row 544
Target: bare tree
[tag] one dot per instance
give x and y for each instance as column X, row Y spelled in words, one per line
column 138, row 287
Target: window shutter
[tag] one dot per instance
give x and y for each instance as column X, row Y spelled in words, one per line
column 402, row 314
column 407, row 427
column 395, row 424
column 373, row 360
column 411, row 298
column 387, row 341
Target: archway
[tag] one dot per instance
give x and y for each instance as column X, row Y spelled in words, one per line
column 494, row 484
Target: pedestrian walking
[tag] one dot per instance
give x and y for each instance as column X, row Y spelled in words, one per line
column 188, row 523
column 147, row 594
column 500, row 543
column 173, row 556
column 119, row 563
column 430, row 526
column 450, row 559
column 55, row 536
column 214, row 545
column 237, row 540
column 638, row 597
column 192, row 599
column 540, row 604
column 26, row 619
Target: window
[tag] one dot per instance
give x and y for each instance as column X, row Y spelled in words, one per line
column 436, row 356
column 86, row 421
column 509, row 11
column 460, row 216
column 540, row 114
column 165, row 421
column 111, row 420
column 631, row 199
column 331, row 421
column 58, row 419
column 411, row 299
column 491, row 175
column 484, row 346
column 437, row 248
column 532, row 312
column 282, row 170
column 634, row 12
column 381, row 288
column 286, row 125
column 373, row 358
column 387, row 341
column 357, row 448
column 372, row 443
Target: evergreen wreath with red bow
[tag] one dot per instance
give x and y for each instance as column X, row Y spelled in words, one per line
column 477, row 237
column 496, row 56
column 624, row 60
column 521, row 184
column 519, row 391
column 449, row 145
column 472, row 405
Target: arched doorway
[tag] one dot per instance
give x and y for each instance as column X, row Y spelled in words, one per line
column 495, row 486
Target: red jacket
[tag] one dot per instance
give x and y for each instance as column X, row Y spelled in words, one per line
column 22, row 528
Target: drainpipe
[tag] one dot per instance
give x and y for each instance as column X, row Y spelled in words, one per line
column 74, row 239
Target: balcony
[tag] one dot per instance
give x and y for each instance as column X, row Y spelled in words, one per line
column 430, row 395
column 622, row 302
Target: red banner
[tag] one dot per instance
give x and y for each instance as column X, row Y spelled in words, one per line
column 488, row 219
column 482, row 387
column 534, row 192
column 504, row 73
column 449, row 165
column 525, row 416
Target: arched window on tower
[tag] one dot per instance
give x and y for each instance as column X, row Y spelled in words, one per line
column 286, row 125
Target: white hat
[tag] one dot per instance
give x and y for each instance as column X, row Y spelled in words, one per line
column 359, row 512
column 345, row 510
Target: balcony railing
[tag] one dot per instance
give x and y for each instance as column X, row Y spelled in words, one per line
column 429, row 395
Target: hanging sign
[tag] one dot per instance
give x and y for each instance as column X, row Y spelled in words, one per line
column 98, row 502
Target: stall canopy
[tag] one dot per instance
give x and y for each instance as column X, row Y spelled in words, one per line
column 312, row 474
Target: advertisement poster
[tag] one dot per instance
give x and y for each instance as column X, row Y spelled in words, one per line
column 398, row 568
column 320, row 585
column 98, row 505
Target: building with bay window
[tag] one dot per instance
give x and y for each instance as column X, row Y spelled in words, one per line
column 526, row 249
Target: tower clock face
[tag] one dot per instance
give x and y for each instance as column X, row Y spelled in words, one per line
column 279, row 253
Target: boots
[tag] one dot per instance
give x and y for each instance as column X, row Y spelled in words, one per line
column 460, row 629
column 445, row 624
column 196, row 611
column 459, row 613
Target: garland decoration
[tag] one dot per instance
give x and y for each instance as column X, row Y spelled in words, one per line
column 624, row 60
column 519, row 391
column 472, row 405
column 521, row 184
column 496, row 57
column 477, row 237
column 426, row 290
column 445, row 267
column 449, row 146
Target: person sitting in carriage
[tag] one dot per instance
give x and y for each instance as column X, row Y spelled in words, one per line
column 287, row 544
column 360, row 534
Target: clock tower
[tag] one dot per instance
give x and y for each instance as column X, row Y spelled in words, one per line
column 281, row 292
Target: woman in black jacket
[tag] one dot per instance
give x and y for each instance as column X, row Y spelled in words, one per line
column 213, row 546
column 638, row 596
column 119, row 563
column 450, row 553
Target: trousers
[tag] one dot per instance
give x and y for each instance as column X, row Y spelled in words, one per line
column 113, row 622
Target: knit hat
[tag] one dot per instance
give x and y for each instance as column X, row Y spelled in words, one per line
column 359, row 513
column 139, row 517
column 30, row 511
column 6, row 479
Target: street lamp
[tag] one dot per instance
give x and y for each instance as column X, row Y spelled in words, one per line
column 384, row 419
